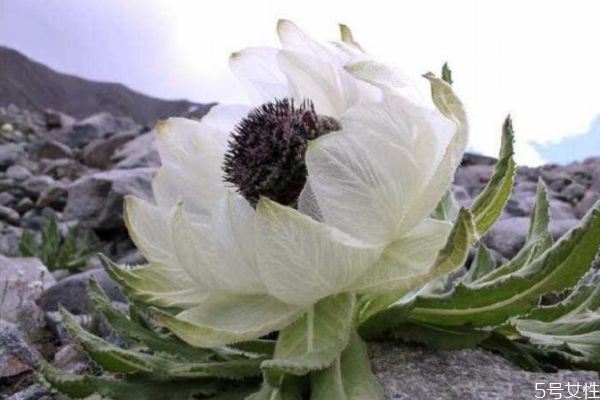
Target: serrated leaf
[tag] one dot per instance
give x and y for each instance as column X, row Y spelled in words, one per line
column 349, row 378
column 491, row 303
column 447, row 74
column 290, row 389
column 539, row 238
column 447, row 209
column 488, row 206
column 515, row 352
column 482, row 264
column 81, row 386
column 314, row 341
column 439, row 337
column 380, row 313
column 115, row 359
column 134, row 331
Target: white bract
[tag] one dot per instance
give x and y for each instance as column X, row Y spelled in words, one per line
column 236, row 272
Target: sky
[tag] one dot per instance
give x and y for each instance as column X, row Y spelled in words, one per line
column 537, row 60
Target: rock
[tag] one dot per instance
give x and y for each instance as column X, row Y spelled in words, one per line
column 507, row 236
column 37, row 184
column 98, row 153
column 71, row 292
column 461, row 196
column 16, row 356
column 521, row 204
column 54, row 196
column 6, row 198
column 52, row 149
column 35, row 392
column 477, row 159
column 560, row 210
column 411, row 372
column 63, row 168
column 70, row 359
column 473, row 178
column 97, row 199
column 18, row 173
column 56, row 119
column 9, row 215
column 10, row 153
column 98, row 126
column 573, row 192
column 10, row 237
column 36, row 218
column 22, row 281
column 138, row 153
column 586, row 203
column 559, row 227
column 24, row 205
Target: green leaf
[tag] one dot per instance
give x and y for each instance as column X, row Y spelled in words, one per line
column 519, row 354
column 80, row 386
column 349, row 378
column 447, row 74
column 115, row 359
column 291, row 388
column 447, row 209
column 539, row 238
column 314, row 341
column 491, row 303
column 134, row 331
column 379, row 313
column 440, row 337
column 482, row 264
column 488, row 206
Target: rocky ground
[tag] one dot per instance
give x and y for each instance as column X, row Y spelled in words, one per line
column 79, row 170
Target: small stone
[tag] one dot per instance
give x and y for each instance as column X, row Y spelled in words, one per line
column 6, row 198
column 52, row 149
column 98, row 153
column 9, row 215
column 24, row 205
column 10, row 153
column 573, row 192
column 16, row 356
column 18, row 173
column 54, row 196
column 586, row 203
column 70, row 359
column 37, row 184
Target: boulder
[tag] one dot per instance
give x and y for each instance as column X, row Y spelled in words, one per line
column 52, row 149
column 10, row 153
column 97, row 126
column 473, row 178
column 35, row 185
column 413, row 372
column 22, row 281
column 97, row 199
column 98, row 153
column 71, row 292
column 140, row 152
column 16, row 355
column 9, row 215
column 10, row 237
column 18, row 173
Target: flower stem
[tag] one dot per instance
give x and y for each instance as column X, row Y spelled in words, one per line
column 310, row 335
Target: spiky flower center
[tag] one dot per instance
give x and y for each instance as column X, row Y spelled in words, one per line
column 266, row 150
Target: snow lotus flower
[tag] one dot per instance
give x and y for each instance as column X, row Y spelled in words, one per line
column 366, row 159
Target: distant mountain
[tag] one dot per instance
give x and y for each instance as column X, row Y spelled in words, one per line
column 573, row 148
column 31, row 85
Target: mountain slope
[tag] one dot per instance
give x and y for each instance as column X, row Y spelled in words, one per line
column 31, row 85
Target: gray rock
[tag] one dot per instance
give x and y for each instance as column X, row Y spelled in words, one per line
column 417, row 373
column 37, row 184
column 35, row 392
column 586, row 203
column 461, row 196
column 10, row 153
column 9, row 215
column 18, row 173
column 98, row 153
column 573, row 192
column 16, row 356
column 63, row 168
column 138, row 153
column 22, row 281
column 473, row 178
column 10, row 236
column 54, row 196
column 56, row 119
column 24, row 205
column 98, row 126
column 52, row 149
column 71, row 292
column 97, row 200
column 560, row 210
column 6, row 198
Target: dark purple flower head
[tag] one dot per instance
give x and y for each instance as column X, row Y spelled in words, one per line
column 265, row 156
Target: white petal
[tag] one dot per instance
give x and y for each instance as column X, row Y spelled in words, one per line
column 441, row 178
column 195, row 249
column 149, row 228
column 158, row 284
column 229, row 319
column 302, row 260
column 363, row 182
column 258, row 69
column 221, row 120
column 293, row 39
column 233, row 231
column 406, row 263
